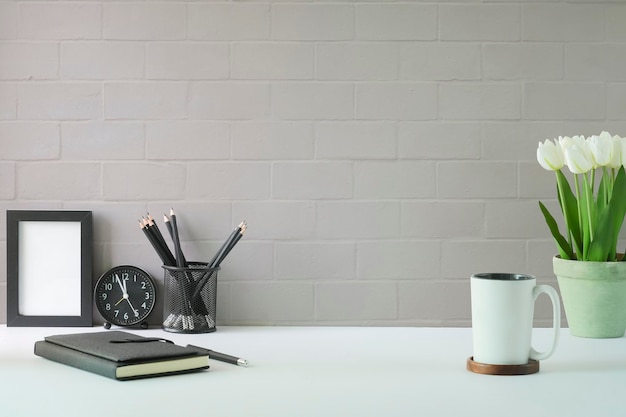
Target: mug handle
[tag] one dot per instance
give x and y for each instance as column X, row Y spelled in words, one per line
column 556, row 320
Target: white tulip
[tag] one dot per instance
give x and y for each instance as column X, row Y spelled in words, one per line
column 601, row 147
column 550, row 155
column 566, row 141
column 616, row 161
column 577, row 156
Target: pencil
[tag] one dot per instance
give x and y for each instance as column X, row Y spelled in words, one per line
column 158, row 249
column 224, row 246
column 221, row 254
column 229, row 245
column 157, row 232
column 181, row 262
column 157, row 238
column 180, row 258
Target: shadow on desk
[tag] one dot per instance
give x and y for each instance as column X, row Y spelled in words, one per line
column 587, row 366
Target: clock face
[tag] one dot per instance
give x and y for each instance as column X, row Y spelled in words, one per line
column 125, row 295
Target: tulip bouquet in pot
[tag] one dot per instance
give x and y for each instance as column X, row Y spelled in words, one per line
column 594, row 208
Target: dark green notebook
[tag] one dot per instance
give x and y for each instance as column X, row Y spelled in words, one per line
column 121, row 355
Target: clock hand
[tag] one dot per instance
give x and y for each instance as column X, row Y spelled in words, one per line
column 136, row 312
column 121, row 299
column 122, row 287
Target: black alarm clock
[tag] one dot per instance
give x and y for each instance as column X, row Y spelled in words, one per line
column 125, row 296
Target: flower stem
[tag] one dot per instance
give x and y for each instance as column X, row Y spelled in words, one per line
column 581, row 255
column 609, row 186
column 564, row 208
column 593, row 179
column 589, row 198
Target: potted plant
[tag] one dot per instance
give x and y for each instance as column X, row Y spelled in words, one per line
column 590, row 271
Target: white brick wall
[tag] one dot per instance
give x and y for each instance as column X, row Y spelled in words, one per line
column 272, row 140
column 586, row 100
column 187, row 139
column 272, row 61
column 482, row 22
column 145, row 100
column 59, row 101
column 357, row 61
column 396, row 101
column 313, row 101
column 28, row 141
column 355, row 140
column 381, row 152
column 312, row 22
column 102, row 60
column 564, row 22
column 228, row 21
column 8, row 20
column 49, row 181
column 60, row 21
column 29, row 61
column 396, row 22
column 144, row 21
column 439, row 61
column 228, row 100
column 103, row 140
column 193, row 61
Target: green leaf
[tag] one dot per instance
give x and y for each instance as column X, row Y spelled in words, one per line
column 569, row 207
column 564, row 248
column 618, row 201
column 600, row 247
column 604, row 246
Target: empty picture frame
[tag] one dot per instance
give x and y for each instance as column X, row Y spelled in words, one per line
column 49, row 268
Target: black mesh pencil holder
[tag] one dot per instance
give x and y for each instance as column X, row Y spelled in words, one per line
column 190, row 298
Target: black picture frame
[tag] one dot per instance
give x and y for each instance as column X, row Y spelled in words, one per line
column 49, row 268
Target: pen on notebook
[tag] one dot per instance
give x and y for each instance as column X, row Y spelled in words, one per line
column 222, row 357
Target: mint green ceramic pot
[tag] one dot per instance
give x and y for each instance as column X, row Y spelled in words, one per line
column 594, row 296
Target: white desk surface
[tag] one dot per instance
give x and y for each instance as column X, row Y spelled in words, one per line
column 322, row 371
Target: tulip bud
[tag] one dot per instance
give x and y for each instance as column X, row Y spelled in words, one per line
column 550, row 156
column 601, row 148
column 578, row 158
column 616, row 160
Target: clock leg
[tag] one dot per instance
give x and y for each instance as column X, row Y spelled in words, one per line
column 144, row 325
column 107, row 325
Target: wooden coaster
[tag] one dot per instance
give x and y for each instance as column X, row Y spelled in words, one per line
column 531, row 367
